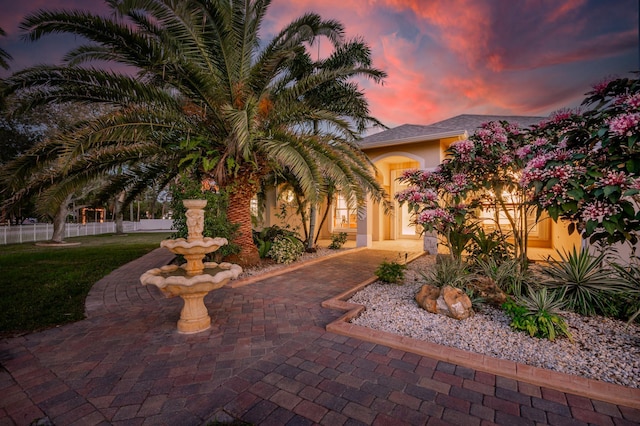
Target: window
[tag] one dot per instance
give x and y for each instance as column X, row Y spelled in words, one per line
column 539, row 232
column 344, row 216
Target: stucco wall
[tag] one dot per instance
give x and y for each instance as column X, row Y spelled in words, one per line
column 427, row 154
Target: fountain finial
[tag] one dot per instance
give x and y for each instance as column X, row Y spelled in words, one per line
column 195, row 218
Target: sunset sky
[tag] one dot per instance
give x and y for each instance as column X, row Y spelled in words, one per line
column 442, row 57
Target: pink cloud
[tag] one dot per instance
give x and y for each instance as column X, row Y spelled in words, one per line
column 447, row 57
column 563, row 9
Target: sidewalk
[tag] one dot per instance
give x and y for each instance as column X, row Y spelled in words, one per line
column 269, row 359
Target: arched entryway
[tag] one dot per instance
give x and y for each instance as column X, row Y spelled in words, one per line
column 397, row 224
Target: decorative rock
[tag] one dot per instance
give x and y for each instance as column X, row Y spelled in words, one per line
column 427, row 297
column 457, row 302
column 486, row 288
column 448, row 301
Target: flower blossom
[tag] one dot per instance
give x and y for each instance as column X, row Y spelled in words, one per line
column 561, row 115
column 632, row 101
column 407, row 194
column 409, row 175
column 505, row 159
column 600, row 87
column 457, row 184
column 598, row 211
column 523, row 151
column 463, row 148
column 635, row 183
column 491, row 133
column 423, row 197
column 431, row 216
column 540, row 142
column 624, row 124
column 613, row 179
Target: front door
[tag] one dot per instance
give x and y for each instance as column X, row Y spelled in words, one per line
column 402, row 228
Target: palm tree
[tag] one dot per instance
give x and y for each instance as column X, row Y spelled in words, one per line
column 345, row 99
column 4, row 63
column 4, row 56
column 207, row 95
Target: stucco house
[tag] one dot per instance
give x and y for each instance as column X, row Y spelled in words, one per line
column 417, row 147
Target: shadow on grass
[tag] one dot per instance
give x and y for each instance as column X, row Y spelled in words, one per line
column 44, row 287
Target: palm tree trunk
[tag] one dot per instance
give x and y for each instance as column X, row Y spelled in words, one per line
column 324, row 215
column 60, row 220
column 239, row 212
column 312, row 226
column 118, row 214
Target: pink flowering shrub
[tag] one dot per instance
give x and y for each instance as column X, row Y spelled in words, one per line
column 477, row 174
column 588, row 170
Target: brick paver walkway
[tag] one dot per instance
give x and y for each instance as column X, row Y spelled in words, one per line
column 268, row 360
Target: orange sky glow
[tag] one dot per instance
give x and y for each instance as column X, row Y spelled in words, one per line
column 442, row 57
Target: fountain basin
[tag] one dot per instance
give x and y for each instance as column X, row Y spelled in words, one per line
column 182, row 245
column 194, row 251
column 175, row 280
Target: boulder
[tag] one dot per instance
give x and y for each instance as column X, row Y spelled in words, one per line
column 448, row 301
column 486, row 288
column 427, row 297
column 457, row 302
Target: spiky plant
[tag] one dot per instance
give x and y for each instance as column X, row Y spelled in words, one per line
column 448, row 271
column 509, row 274
column 582, row 281
column 543, row 314
column 630, row 276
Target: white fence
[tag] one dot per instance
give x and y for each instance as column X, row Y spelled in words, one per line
column 44, row 231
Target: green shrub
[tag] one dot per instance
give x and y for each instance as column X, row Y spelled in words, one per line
column 338, row 240
column 538, row 314
column 584, row 284
column 391, row 272
column 448, row 271
column 286, row 249
column 264, row 239
column 459, row 237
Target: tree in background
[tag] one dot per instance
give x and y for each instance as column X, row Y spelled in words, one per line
column 35, row 173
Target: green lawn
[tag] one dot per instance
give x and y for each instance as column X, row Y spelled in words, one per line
column 46, row 286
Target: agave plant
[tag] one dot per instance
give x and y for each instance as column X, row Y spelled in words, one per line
column 509, row 275
column 448, row 271
column 630, row 276
column 584, row 284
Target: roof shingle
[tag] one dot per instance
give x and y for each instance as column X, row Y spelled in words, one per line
column 408, row 133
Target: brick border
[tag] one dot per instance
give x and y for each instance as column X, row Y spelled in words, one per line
column 589, row 388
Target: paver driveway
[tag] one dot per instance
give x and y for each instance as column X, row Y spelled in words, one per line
column 268, row 360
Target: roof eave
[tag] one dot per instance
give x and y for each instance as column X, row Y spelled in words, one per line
column 414, row 139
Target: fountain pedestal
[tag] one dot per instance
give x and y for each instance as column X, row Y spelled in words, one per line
column 193, row 280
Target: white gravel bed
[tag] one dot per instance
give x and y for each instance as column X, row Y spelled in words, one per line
column 603, row 349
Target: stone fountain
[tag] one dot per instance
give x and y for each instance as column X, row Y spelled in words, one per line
column 193, row 280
